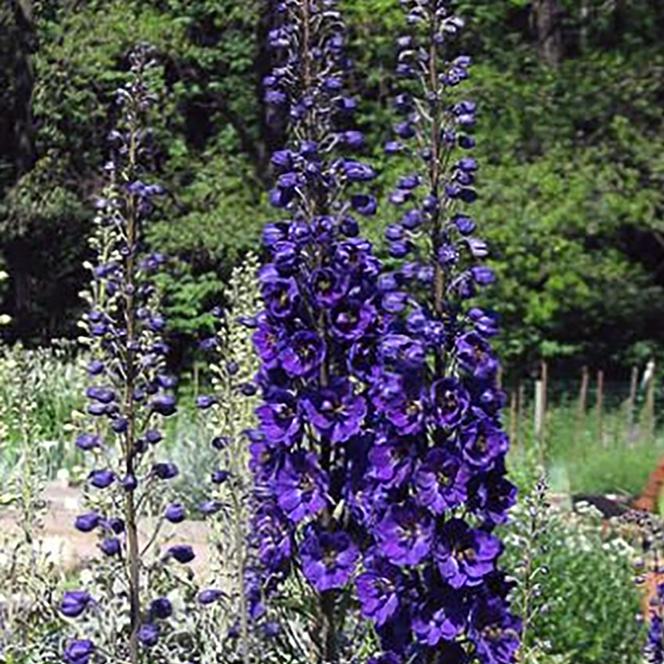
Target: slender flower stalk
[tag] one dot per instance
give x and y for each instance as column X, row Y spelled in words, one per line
column 228, row 413
column 319, row 297
column 129, row 394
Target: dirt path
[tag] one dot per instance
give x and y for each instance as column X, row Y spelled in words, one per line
column 71, row 549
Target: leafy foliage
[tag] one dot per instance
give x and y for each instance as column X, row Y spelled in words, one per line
column 573, row 193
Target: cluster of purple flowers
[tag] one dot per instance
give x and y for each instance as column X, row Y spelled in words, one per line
column 436, row 469
column 379, row 460
column 130, row 391
column 320, row 321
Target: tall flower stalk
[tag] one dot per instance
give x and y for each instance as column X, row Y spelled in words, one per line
column 228, row 415
column 319, row 296
column 436, row 470
column 129, row 394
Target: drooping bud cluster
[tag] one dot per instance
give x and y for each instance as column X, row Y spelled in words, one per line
column 320, row 317
column 436, row 468
column 130, row 393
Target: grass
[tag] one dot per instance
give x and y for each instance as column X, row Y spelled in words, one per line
column 578, row 458
column 581, row 461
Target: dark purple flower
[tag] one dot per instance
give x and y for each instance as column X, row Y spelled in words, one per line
column 495, row 632
column 465, row 555
column 219, row 476
column 161, row 608
column 392, row 462
column 110, row 546
column 441, row 482
column 329, row 286
column 279, row 419
column 442, row 617
column 328, row 558
column 148, row 635
column 175, row 513
column 164, row 404
column 482, row 441
column 493, row 496
column 101, row 479
column 364, row 204
column 204, row 401
column 402, row 352
column 183, row 553
column 405, row 534
column 74, row 602
column 275, row 543
column 336, row 411
column 378, row 590
column 351, row 319
column 475, row 356
column 88, row 441
column 281, row 295
column 302, row 354
column 165, row 470
column 209, row 596
column 87, row 522
column 266, row 342
column 301, row 486
column 449, row 402
column 79, row 651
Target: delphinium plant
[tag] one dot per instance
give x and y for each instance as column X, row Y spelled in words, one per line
column 125, row 612
column 29, row 576
column 223, row 619
column 436, row 468
column 314, row 338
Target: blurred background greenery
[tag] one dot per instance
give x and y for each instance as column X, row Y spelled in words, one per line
column 570, row 139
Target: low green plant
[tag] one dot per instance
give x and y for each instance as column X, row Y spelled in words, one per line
column 575, row 585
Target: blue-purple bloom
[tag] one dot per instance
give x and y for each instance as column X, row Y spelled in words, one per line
column 328, row 559
column 74, row 603
column 79, row 651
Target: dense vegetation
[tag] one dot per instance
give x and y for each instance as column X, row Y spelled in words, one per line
column 570, row 130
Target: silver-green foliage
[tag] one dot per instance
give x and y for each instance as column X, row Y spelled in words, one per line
column 29, row 576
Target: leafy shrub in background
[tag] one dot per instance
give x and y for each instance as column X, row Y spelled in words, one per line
column 56, row 384
column 586, row 605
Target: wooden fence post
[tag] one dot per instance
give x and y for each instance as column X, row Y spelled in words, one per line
column 583, row 394
column 649, row 407
column 599, row 406
column 513, row 421
column 540, row 417
column 520, row 402
column 630, row 429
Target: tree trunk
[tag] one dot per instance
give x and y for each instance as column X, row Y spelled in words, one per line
column 24, row 80
column 549, row 34
column 21, row 40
